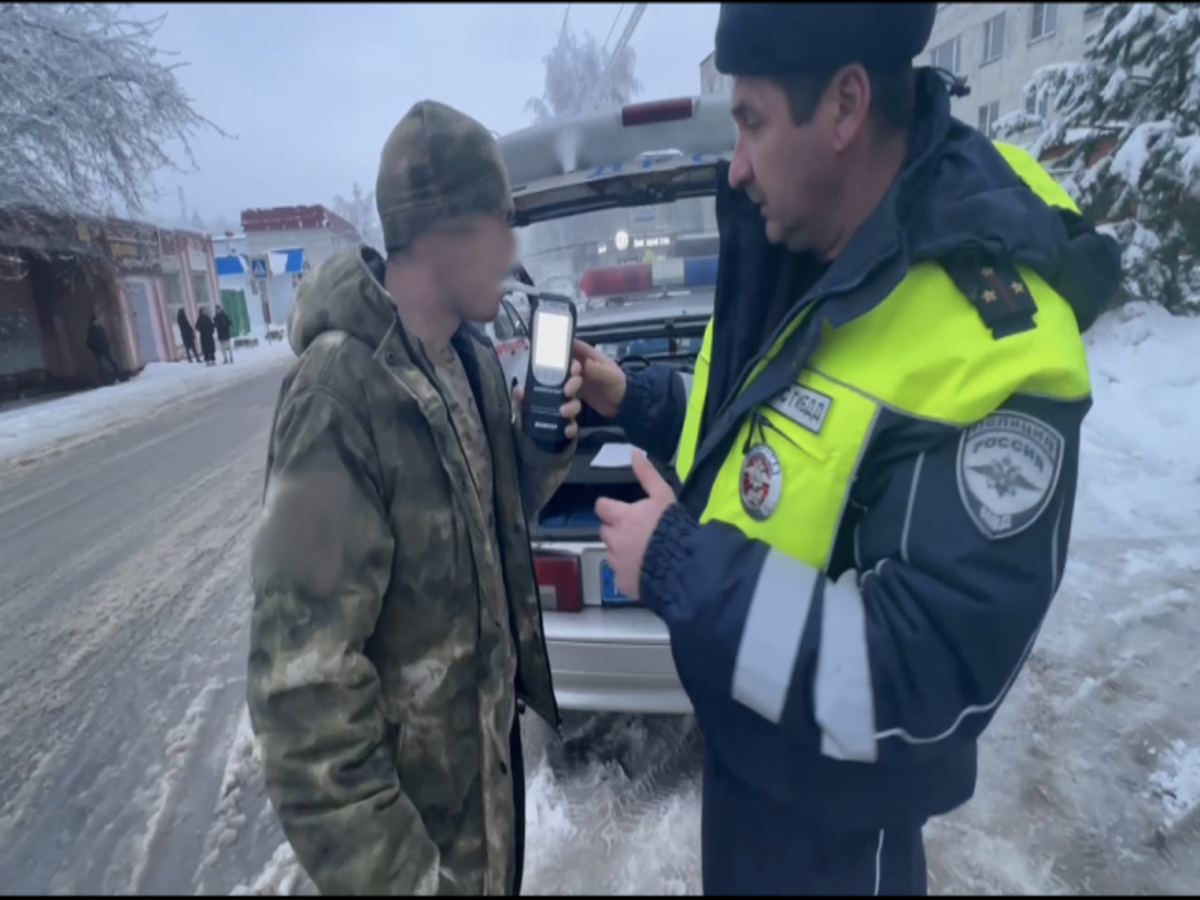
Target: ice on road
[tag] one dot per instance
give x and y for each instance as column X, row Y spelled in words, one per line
column 127, row 762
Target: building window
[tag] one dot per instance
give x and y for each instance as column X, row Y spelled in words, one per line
column 1044, row 20
column 1038, row 106
column 1044, row 105
column 200, row 289
column 988, row 114
column 993, row 38
column 945, row 56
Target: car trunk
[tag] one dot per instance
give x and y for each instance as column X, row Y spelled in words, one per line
column 570, row 515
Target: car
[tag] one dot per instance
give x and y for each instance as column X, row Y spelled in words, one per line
column 509, row 334
column 609, row 225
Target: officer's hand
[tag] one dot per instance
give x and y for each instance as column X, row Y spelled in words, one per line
column 569, row 410
column 603, row 380
column 628, row 527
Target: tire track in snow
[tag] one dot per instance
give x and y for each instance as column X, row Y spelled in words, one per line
column 97, row 756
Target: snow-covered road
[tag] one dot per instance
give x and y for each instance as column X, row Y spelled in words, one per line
column 32, row 432
column 127, row 764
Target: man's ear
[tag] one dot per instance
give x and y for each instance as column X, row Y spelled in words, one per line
column 850, row 93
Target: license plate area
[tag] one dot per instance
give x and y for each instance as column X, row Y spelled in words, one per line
column 609, row 595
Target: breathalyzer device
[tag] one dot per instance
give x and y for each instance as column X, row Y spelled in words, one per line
column 553, row 318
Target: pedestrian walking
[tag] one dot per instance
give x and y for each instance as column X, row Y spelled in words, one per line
column 224, row 326
column 188, row 335
column 206, row 329
column 878, row 453
column 97, row 343
column 396, row 624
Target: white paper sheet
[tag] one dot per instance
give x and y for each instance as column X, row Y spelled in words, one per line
column 613, row 456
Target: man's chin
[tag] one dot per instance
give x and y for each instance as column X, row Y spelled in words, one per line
column 482, row 313
column 775, row 232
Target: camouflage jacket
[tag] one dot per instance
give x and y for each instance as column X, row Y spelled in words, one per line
column 380, row 675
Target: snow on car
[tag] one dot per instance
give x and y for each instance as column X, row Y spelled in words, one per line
column 629, row 235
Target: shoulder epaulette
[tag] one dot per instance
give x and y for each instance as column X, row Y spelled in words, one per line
column 996, row 289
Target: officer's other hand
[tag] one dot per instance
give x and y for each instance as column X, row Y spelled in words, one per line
column 603, row 380
column 569, row 410
column 626, row 528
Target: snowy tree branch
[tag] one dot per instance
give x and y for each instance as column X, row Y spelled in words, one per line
column 574, row 69
column 87, row 107
column 1127, row 121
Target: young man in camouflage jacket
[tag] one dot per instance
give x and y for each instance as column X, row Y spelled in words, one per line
column 396, row 619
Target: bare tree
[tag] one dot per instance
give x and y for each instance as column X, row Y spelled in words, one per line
column 87, row 107
column 574, row 71
column 359, row 210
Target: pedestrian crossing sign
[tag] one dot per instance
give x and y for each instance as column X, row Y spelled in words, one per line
column 258, row 267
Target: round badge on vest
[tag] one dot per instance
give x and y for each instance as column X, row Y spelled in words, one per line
column 762, row 482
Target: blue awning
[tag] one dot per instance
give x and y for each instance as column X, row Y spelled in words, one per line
column 288, row 261
column 295, row 261
column 231, row 265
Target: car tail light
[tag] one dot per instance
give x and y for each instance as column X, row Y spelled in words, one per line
column 560, row 587
column 657, row 111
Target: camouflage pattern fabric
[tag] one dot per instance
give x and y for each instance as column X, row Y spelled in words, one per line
column 438, row 165
column 381, row 672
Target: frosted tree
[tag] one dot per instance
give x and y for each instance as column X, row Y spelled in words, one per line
column 576, row 81
column 1138, row 85
column 359, row 210
column 581, row 76
column 88, row 107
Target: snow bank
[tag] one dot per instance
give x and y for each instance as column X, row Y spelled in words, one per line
column 1140, row 466
column 32, row 431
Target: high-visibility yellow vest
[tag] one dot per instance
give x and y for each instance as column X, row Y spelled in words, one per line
column 923, row 351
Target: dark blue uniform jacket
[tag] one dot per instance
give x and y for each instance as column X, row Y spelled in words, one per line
column 951, row 615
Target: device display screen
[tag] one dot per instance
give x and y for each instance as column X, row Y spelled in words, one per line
column 551, row 340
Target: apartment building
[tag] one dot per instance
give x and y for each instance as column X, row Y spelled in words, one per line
column 998, row 47
column 712, row 81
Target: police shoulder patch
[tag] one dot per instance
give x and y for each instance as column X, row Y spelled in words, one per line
column 1008, row 467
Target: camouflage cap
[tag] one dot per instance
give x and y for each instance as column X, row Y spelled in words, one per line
column 438, row 165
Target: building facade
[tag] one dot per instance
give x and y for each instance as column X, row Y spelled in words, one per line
column 996, row 46
column 281, row 245
column 999, row 46
column 57, row 271
column 712, row 81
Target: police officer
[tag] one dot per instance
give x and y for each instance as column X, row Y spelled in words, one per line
column 878, row 455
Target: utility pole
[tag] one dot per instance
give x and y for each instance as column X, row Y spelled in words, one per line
column 634, row 17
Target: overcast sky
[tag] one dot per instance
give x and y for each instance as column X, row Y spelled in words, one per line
column 311, row 91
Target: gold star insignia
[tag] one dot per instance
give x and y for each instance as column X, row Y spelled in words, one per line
column 989, row 272
column 1017, row 287
column 989, row 296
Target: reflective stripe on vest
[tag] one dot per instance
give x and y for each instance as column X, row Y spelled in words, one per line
column 924, row 352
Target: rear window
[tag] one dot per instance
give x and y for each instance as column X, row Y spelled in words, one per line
column 627, row 255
